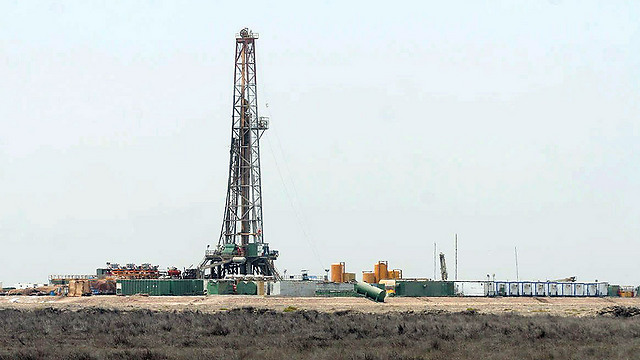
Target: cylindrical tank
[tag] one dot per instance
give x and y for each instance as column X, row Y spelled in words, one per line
column 381, row 271
column 368, row 277
column 240, row 285
column 239, row 259
column 395, row 274
column 370, row 291
column 337, row 271
column 250, row 288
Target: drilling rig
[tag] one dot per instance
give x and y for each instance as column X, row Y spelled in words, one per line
column 241, row 249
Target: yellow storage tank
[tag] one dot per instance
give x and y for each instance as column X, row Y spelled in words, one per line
column 381, row 271
column 337, row 272
column 369, row 277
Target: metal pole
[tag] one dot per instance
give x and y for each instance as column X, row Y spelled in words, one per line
column 434, row 261
column 517, row 272
column 456, row 265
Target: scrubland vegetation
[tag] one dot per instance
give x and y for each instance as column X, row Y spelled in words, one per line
column 250, row 333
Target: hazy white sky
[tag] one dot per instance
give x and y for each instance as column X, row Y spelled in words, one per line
column 393, row 126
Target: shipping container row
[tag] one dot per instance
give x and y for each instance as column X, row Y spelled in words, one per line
column 161, row 287
column 408, row 288
column 531, row 288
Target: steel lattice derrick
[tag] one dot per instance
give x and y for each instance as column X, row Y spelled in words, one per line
column 242, row 226
column 244, row 201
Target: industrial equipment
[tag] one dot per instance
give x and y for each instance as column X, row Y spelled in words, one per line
column 131, row 271
column 370, row 291
column 241, row 248
column 174, row 273
column 380, row 272
column 338, row 274
column 443, row 268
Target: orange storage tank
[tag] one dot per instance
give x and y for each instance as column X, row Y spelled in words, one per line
column 369, row 277
column 337, row 272
column 395, row 274
column 381, row 271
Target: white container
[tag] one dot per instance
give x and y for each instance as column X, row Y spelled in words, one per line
column 553, row 289
column 540, row 289
column 489, row 288
column 566, row 289
column 471, row 288
column 591, row 289
column 328, row 286
column 603, row 288
column 297, row 288
column 514, row 289
column 502, row 288
column 579, row 289
column 527, row 289
column 273, row 288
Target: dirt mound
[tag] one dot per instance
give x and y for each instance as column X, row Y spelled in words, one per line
column 27, row 292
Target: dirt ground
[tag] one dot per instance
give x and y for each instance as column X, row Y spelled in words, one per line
column 524, row 306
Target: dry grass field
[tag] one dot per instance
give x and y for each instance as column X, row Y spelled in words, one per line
column 517, row 305
column 243, row 327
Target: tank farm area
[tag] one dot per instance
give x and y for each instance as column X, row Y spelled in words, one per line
column 236, row 298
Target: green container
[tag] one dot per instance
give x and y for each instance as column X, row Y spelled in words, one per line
column 613, row 290
column 246, row 288
column 187, row 287
column 160, row 287
column 229, row 249
column 215, row 287
column 425, row 288
column 252, row 249
column 212, row 287
column 152, row 287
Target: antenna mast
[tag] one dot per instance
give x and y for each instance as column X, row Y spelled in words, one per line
column 456, row 256
column 517, row 270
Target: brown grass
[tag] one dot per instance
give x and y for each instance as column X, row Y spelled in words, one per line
column 250, row 333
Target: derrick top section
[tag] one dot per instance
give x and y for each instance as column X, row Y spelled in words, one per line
column 246, row 34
